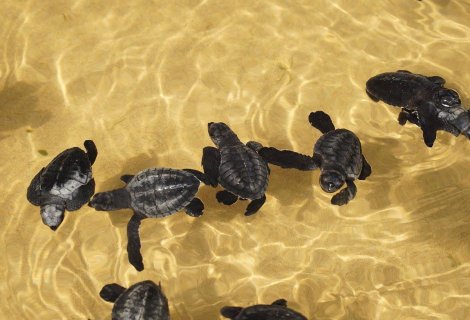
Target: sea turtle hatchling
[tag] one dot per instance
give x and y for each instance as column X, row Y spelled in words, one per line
column 142, row 301
column 66, row 183
column 337, row 153
column 424, row 100
column 152, row 193
column 237, row 167
column 278, row 310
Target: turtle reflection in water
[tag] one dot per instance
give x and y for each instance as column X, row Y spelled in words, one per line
column 424, row 100
column 337, row 153
column 278, row 310
column 66, row 183
column 152, row 193
column 142, row 301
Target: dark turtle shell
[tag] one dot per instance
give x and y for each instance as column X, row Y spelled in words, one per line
column 403, row 88
column 159, row 192
column 142, row 301
column 243, row 172
column 340, row 148
column 278, row 310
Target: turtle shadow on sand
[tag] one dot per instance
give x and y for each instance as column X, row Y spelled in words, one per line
column 18, row 107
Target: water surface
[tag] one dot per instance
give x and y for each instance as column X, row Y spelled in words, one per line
column 143, row 79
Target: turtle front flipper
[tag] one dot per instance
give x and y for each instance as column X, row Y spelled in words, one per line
column 133, row 242
column 255, row 205
column 321, row 121
column 230, row 312
column 437, row 80
column 81, row 196
column 111, row 292
column 226, row 197
column 210, row 164
column 288, row 159
column 33, row 194
column 92, row 152
column 366, row 169
column 194, row 208
column 428, row 121
column 345, row 195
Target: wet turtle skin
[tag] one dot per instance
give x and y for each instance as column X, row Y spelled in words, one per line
column 152, row 193
column 340, row 148
column 239, row 169
column 424, row 100
column 278, row 310
column 142, row 301
column 66, row 183
column 161, row 192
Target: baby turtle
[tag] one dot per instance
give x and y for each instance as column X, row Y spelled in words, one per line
column 142, row 301
column 66, row 183
column 152, row 193
column 424, row 100
column 278, row 310
column 237, row 167
column 337, row 153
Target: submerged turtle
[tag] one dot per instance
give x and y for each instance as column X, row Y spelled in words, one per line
column 66, row 183
column 152, row 193
column 337, row 153
column 278, row 310
column 142, row 301
column 425, row 102
column 237, row 167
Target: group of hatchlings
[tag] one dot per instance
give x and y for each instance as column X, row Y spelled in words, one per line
column 67, row 183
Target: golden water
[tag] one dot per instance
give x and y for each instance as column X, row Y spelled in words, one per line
column 143, row 78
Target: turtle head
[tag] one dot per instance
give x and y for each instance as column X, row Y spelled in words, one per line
column 331, row 180
column 448, row 98
column 221, row 134
column 52, row 214
column 463, row 123
column 110, row 200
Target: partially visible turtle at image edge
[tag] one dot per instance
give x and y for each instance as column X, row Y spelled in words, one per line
column 278, row 310
column 424, row 100
column 66, row 183
column 337, row 153
column 239, row 169
column 142, row 301
column 152, row 193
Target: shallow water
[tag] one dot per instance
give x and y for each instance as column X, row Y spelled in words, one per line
column 143, row 78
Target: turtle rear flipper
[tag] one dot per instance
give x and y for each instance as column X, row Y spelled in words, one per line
column 210, row 163
column 111, row 292
column 126, row 178
column 226, row 197
column 81, row 196
column 288, row 159
column 406, row 115
column 321, row 121
column 366, row 169
column 92, row 152
column 230, row 312
column 280, row 302
column 200, row 176
column 255, row 205
column 133, row 242
column 195, row 208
